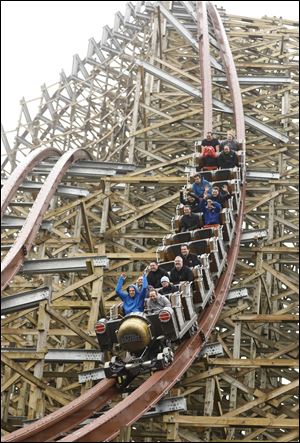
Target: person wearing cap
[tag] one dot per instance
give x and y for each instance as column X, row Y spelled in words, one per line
column 167, row 287
column 155, row 302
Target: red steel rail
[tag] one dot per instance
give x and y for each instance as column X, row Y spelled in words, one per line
column 129, row 410
column 15, row 256
column 205, row 69
column 107, row 427
column 149, row 393
column 230, row 71
column 16, row 178
column 65, row 418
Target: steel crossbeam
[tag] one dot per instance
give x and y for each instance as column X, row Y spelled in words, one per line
column 68, row 191
column 11, row 222
column 185, row 87
column 56, row 265
column 57, row 355
column 24, row 300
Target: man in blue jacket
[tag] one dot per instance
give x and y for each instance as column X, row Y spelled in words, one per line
column 211, row 211
column 133, row 300
column 201, row 185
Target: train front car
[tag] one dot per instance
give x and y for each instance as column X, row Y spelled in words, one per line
column 141, row 342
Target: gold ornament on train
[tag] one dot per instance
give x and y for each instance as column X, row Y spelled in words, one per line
column 134, row 334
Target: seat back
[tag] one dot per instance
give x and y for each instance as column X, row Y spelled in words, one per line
column 176, row 223
column 182, row 237
column 199, row 247
column 168, row 239
column 166, row 266
column 201, row 234
column 172, row 251
column 224, row 174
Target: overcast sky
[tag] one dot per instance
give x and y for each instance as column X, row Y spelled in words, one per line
column 39, row 39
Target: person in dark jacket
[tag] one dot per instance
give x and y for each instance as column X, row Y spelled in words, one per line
column 155, row 274
column 210, row 141
column 192, row 200
column 229, row 142
column 189, row 221
column 228, row 158
column 211, row 211
column 188, row 258
column 167, row 287
column 180, row 273
column 220, row 197
column 133, row 300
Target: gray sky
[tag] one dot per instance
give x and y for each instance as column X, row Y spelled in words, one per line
column 39, row 39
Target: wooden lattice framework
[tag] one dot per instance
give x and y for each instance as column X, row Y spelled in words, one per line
column 119, row 111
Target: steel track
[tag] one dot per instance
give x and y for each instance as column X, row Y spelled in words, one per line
column 15, row 256
column 126, row 412
column 65, row 418
column 18, row 175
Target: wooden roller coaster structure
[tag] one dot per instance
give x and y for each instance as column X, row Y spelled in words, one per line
column 143, row 119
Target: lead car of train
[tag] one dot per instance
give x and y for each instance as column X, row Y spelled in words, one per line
column 147, row 341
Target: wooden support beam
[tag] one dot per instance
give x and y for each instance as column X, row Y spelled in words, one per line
column 266, row 198
column 168, row 121
column 62, row 398
column 280, row 277
column 70, row 325
column 258, row 318
column 239, row 422
column 87, row 226
column 155, row 206
column 253, row 363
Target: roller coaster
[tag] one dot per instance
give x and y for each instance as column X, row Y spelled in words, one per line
column 217, row 247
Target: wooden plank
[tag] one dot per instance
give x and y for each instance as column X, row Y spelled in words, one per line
column 140, row 214
column 280, row 277
column 160, row 179
column 183, row 116
column 240, row 422
column 62, row 398
column 87, row 226
column 75, row 328
column 266, row 198
column 266, row 317
column 253, row 363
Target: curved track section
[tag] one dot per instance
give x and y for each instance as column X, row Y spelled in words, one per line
column 15, row 257
column 143, row 398
column 149, row 393
column 205, row 69
column 16, row 178
column 231, row 74
column 66, row 417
